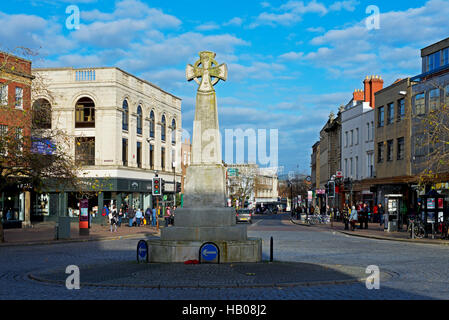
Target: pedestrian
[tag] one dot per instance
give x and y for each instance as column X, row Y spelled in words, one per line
column 139, row 216
column 167, row 216
column 381, row 213
column 114, row 219
column 120, row 216
column 365, row 215
column 376, row 214
column 105, row 214
column 353, row 218
column 148, row 215
column 154, row 217
column 131, row 216
column 346, row 212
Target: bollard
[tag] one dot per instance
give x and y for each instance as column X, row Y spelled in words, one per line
column 57, row 231
column 271, row 249
column 413, row 229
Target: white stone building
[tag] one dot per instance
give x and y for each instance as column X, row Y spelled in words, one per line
column 124, row 130
column 357, row 145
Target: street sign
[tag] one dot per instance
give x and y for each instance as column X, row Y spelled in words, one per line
column 233, row 172
column 165, row 197
column 209, row 252
column 142, row 251
column 339, row 174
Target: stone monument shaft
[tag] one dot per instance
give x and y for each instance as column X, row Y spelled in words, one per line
column 205, row 179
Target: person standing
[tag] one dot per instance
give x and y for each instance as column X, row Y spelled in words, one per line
column 120, row 217
column 148, row 215
column 167, row 216
column 346, row 213
column 114, row 219
column 105, row 214
column 139, row 216
column 154, row 217
column 353, row 218
column 381, row 213
column 131, row 216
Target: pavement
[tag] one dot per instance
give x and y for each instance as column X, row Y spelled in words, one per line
column 374, row 231
column 44, row 233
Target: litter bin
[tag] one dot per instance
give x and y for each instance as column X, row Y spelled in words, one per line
column 62, row 229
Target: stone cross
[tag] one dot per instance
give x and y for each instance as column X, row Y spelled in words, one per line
column 209, row 69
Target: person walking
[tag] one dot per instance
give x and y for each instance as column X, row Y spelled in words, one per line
column 167, row 216
column 114, row 219
column 353, row 218
column 139, row 216
column 365, row 216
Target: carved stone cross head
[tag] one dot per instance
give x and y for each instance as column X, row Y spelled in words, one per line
column 206, row 68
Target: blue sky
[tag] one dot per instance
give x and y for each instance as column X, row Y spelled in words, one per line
column 290, row 62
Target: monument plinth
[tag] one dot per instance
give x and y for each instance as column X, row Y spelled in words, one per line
column 205, row 218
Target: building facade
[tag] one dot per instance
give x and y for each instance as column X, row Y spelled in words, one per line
column 15, row 103
column 357, row 156
column 123, row 131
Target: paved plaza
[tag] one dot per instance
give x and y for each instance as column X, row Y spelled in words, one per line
column 302, row 255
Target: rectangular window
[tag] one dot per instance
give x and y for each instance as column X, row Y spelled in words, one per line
column 420, row 145
column 19, row 97
column 125, row 152
column 434, row 61
column 380, row 119
column 390, row 150
column 401, row 109
column 346, row 167
column 357, row 136
column 3, row 133
column 352, row 168
column 446, row 57
column 357, row 168
column 446, row 95
column 346, row 135
column 352, row 137
column 390, row 110
column 368, row 132
column 380, row 152
column 151, row 156
column 85, row 151
column 139, row 154
column 420, row 104
column 434, row 99
column 401, row 150
column 163, row 158
column 3, row 94
column 372, row 130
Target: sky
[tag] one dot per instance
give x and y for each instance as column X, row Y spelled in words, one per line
column 290, row 63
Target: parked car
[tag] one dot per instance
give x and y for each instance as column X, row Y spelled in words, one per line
column 244, row 215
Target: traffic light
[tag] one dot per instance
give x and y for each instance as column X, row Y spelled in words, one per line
column 331, row 189
column 162, row 185
column 157, row 186
column 178, row 187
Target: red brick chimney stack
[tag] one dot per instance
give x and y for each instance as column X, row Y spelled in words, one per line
column 372, row 85
column 358, row 95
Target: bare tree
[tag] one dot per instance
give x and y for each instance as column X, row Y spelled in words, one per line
column 242, row 185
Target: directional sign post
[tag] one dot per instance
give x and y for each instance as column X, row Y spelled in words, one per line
column 209, row 253
column 142, row 251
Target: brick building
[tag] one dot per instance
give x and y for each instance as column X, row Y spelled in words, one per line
column 15, row 105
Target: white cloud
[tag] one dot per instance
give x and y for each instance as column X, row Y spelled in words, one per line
column 208, row 26
column 317, row 29
column 292, row 56
column 348, row 5
column 234, row 22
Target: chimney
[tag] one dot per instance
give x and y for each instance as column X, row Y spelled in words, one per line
column 372, row 85
column 358, row 95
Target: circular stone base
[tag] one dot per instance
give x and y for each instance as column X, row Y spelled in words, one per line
column 168, row 251
column 128, row 274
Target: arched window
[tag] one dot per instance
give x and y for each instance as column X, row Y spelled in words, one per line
column 41, row 114
column 85, row 113
column 173, row 132
column 163, row 128
column 125, row 115
column 152, row 124
column 139, row 120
